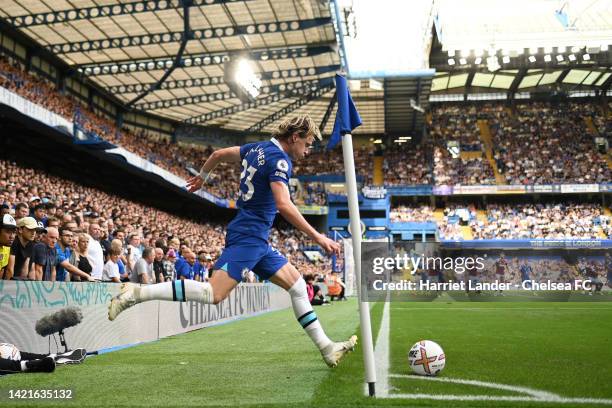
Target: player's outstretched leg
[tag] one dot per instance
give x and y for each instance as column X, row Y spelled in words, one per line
column 290, row 279
column 178, row 290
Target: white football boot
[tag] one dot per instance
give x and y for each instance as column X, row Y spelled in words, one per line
column 124, row 300
column 334, row 353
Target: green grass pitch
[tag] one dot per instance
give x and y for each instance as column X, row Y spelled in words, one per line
column 559, row 348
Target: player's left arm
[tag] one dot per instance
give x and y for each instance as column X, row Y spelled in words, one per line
column 226, row 155
column 289, row 211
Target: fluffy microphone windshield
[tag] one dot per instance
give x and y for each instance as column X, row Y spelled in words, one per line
column 60, row 320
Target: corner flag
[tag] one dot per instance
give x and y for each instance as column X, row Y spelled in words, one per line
column 347, row 117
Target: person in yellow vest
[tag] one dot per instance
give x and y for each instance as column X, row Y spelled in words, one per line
column 335, row 286
column 8, row 230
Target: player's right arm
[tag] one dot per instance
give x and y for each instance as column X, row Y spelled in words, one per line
column 227, row 155
column 289, row 211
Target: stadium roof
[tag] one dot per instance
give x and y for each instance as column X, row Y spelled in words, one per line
column 167, row 59
column 129, row 48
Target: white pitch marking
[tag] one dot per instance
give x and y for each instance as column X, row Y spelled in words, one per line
column 515, row 388
column 560, row 400
column 501, row 309
column 534, row 395
column 381, row 355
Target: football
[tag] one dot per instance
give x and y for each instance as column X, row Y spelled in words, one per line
column 426, row 358
column 9, row 352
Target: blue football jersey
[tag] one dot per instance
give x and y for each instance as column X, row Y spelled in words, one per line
column 261, row 164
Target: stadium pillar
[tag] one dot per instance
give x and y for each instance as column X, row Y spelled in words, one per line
column 377, row 177
column 364, row 307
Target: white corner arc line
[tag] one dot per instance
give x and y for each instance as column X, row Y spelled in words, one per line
column 514, row 388
column 381, row 354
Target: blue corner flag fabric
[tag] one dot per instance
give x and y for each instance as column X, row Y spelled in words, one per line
column 347, row 117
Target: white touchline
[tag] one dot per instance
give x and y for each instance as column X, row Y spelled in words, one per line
column 381, row 355
column 534, row 395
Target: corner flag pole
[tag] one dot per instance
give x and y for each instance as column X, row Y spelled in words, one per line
column 347, row 118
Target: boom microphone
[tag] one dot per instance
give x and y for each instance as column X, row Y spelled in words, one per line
column 58, row 321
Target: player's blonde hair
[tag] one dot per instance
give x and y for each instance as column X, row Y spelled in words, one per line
column 303, row 125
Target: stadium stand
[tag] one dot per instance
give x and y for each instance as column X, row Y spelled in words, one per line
column 79, row 206
column 546, row 143
column 515, row 221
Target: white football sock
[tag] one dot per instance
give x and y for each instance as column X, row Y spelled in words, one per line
column 178, row 290
column 306, row 316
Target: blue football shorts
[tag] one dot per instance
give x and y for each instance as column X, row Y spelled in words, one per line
column 242, row 254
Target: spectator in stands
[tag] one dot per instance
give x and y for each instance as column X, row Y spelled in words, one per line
column 53, row 222
column 117, row 246
column 168, row 263
column 21, row 249
column 39, row 213
column 185, row 267
column 95, row 253
column 8, row 231
column 64, row 252
column 201, row 268
column 158, row 265
column 134, row 252
column 21, row 210
column 44, row 256
column 80, row 258
column 110, row 272
column 34, row 201
column 143, row 270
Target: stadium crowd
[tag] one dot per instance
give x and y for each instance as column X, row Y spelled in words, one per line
column 405, row 213
column 546, row 143
column 514, row 221
column 104, row 228
column 553, row 221
column 408, row 164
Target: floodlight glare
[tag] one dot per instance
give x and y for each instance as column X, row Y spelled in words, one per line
column 547, row 58
column 575, row 49
column 533, row 50
column 532, row 59
column 241, row 79
column 451, row 61
column 586, row 57
column 571, row 57
column 478, row 61
column 451, row 53
column 548, row 50
column 506, row 59
column 559, row 58
column 493, row 64
column 462, row 61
